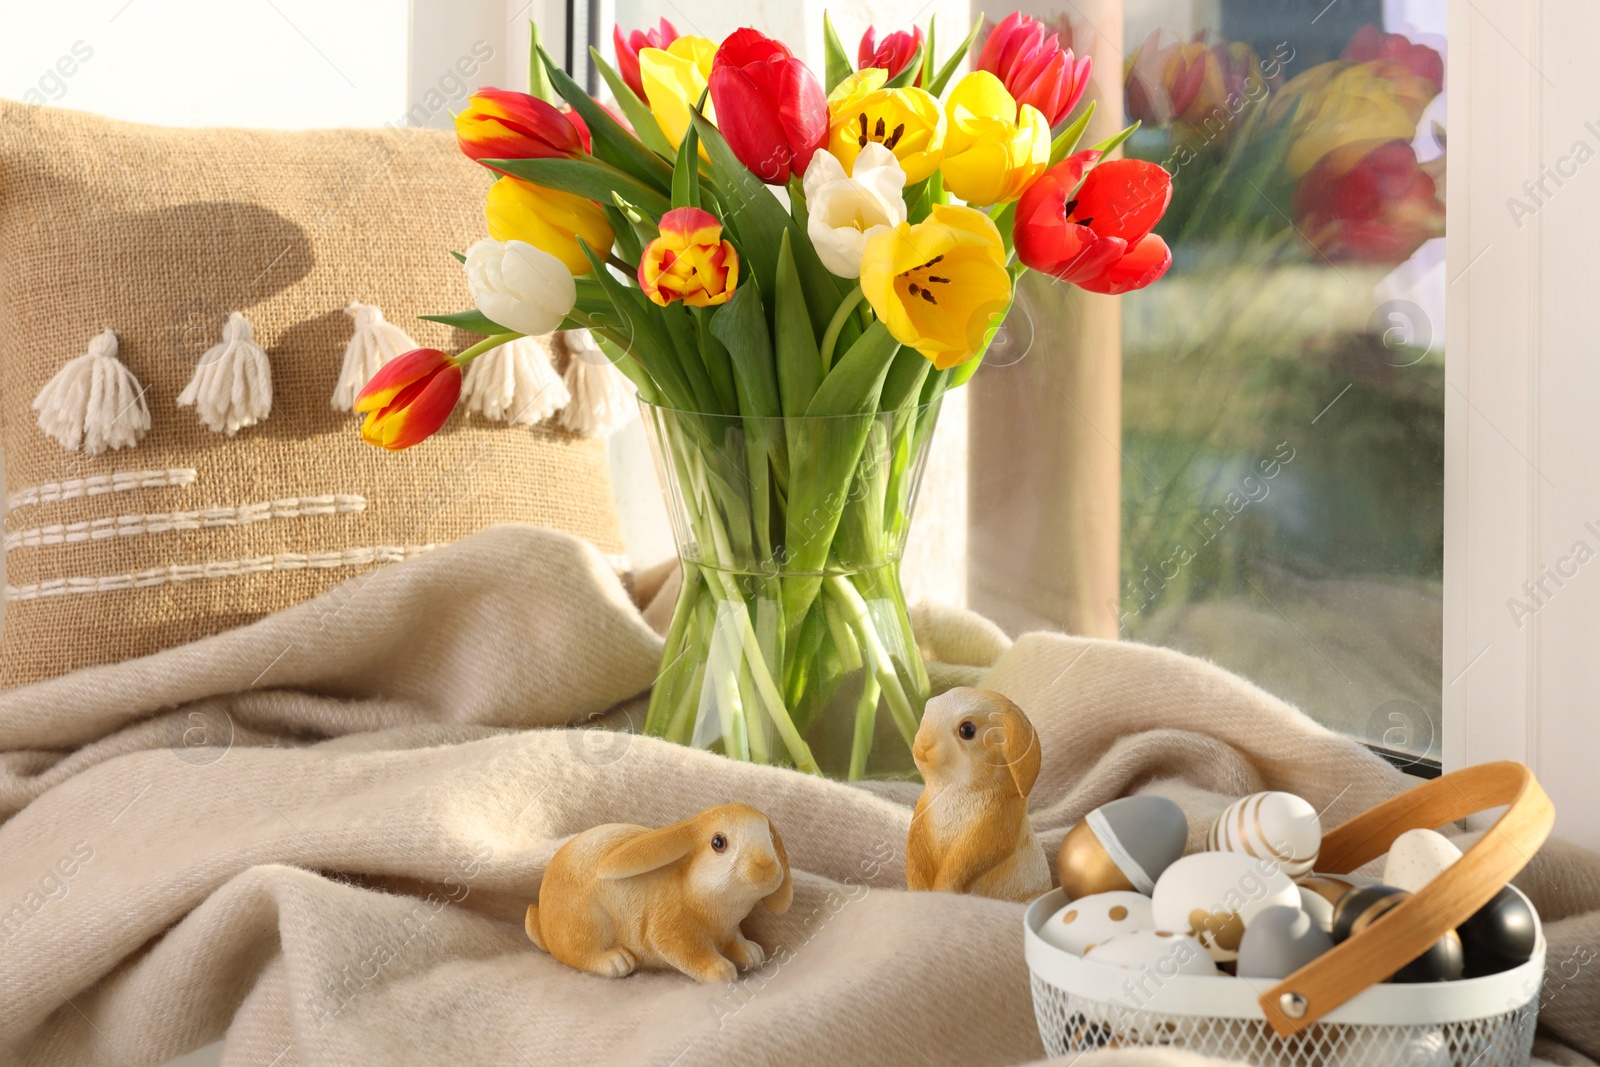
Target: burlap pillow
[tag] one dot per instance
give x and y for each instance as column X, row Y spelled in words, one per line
column 159, row 234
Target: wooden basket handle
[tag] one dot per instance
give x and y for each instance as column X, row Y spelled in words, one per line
column 1450, row 899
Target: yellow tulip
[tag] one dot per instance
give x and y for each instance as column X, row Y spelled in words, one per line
column 940, row 285
column 547, row 219
column 908, row 122
column 992, row 152
column 673, row 80
column 1337, row 104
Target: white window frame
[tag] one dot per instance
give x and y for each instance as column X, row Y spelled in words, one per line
column 1521, row 484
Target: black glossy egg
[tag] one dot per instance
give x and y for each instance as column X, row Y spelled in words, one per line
column 1500, row 935
column 1365, row 905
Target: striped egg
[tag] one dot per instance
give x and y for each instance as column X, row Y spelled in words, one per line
column 1278, row 827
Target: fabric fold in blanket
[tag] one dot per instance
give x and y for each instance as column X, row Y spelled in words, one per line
column 315, row 836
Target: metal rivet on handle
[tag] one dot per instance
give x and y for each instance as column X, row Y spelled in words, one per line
column 1294, row 1005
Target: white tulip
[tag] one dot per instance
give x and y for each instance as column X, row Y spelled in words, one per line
column 519, row 286
column 845, row 210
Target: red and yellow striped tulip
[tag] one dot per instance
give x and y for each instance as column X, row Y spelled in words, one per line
column 689, row 261
column 500, row 124
column 409, row 399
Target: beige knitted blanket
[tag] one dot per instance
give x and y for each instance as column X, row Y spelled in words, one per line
column 315, row 837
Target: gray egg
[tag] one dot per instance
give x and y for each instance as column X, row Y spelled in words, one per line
column 1143, row 835
column 1279, row 941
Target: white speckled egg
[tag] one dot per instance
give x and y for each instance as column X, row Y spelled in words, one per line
column 1090, row 920
column 1416, row 858
column 1280, row 941
column 1214, row 895
column 1166, row 953
column 1280, row 827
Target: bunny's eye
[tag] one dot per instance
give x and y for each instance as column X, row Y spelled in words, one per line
column 718, row 843
column 967, row 730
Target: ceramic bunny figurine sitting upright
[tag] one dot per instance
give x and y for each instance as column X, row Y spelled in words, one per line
column 979, row 756
column 619, row 897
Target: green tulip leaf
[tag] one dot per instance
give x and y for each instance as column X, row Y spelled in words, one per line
column 946, row 72
column 1112, row 143
column 1067, row 140
column 799, row 364
column 612, row 142
column 588, row 178
column 838, row 66
column 473, row 321
column 637, row 112
column 908, row 73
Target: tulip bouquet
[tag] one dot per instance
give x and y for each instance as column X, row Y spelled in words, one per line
column 792, row 271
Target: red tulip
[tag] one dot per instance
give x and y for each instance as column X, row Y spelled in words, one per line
column 1376, row 206
column 409, row 398
column 628, row 51
column 1096, row 234
column 1035, row 69
column 1370, row 43
column 501, row 124
column 769, row 106
column 892, row 53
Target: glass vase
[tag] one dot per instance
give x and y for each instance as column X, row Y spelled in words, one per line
column 790, row 643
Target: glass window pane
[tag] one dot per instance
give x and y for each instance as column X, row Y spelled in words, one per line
column 1283, row 386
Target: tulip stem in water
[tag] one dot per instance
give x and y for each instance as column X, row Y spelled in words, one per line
column 492, row 341
column 831, row 337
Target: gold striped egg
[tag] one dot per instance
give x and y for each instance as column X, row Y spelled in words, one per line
column 1280, row 828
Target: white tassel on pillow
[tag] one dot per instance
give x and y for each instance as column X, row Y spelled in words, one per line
column 94, row 402
column 232, row 383
column 602, row 396
column 514, row 383
column 375, row 342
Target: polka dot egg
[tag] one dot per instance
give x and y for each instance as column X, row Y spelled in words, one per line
column 1090, row 920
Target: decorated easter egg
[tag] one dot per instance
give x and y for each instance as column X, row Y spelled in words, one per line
column 1368, row 904
column 1214, row 895
column 1123, row 845
column 1500, row 935
column 1166, row 953
column 1318, row 895
column 1099, row 917
column 1280, row 827
column 1278, row 942
column 1416, row 858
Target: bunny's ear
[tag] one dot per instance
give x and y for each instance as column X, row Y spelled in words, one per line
column 779, row 899
column 1021, row 750
column 648, row 852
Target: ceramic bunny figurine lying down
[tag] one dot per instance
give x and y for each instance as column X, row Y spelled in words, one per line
column 619, row 897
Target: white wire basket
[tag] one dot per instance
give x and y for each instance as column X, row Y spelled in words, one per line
column 1331, row 1013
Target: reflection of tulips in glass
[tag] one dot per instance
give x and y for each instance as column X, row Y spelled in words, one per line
column 1180, row 82
column 1331, row 147
column 1375, row 205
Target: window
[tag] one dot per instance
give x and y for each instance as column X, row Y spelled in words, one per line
column 1283, row 388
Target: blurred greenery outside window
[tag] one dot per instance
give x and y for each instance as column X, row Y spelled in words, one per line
column 1283, row 385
